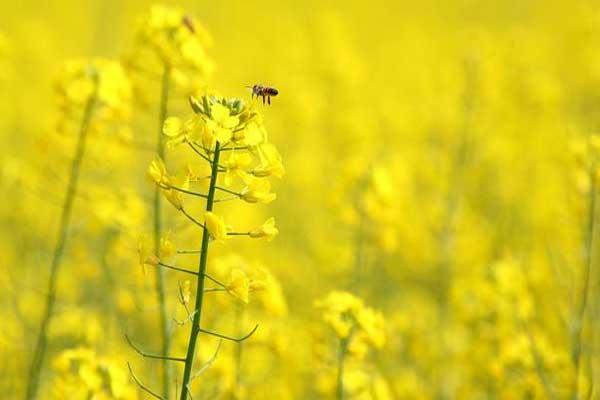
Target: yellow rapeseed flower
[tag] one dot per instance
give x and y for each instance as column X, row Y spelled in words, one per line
column 252, row 135
column 157, row 172
column 258, row 191
column 221, row 123
column 145, row 253
column 239, row 285
column 216, row 226
column 177, row 40
column 266, row 231
column 235, row 165
column 172, row 127
column 347, row 315
column 270, row 162
column 167, row 248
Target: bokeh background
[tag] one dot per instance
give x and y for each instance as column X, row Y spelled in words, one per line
column 440, row 165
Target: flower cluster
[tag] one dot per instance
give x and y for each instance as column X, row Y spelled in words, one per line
column 230, row 136
column 357, row 328
column 351, row 320
column 243, row 279
column 175, row 41
column 98, row 83
column 81, row 373
column 249, row 160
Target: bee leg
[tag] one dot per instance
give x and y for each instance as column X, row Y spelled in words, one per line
column 269, row 100
column 263, row 99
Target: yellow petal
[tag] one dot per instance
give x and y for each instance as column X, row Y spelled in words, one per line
column 172, row 127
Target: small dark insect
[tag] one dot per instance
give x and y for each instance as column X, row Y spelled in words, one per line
column 263, row 91
column 187, row 21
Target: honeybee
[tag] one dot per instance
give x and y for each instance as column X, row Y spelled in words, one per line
column 263, row 91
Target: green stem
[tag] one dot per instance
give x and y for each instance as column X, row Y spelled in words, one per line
column 341, row 360
column 238, row 354
column 157, row 206
column 65, row 218
column 189, row 360
column 580, row 316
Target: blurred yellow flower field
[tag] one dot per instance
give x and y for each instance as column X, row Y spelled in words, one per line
column 404, row 207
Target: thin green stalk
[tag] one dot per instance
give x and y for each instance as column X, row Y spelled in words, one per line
column 580, row 316
column 110, row 281
column 189, row 360
column 160, row 280
column 538, row 362
column 238, row 354
column 63, row 228
column 341, row 360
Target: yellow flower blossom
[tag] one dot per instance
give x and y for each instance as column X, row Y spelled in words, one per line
column 167, row 248
column 270, row 162
column 271, row 293
column 382, row 183
column 372, row 323
column 174, row 197
column 145, row 254
column 258, row 191
column 90, row 377
column 81, row 373
column 172, row 127
column 157, row 172
column 216, row 226
column 266, row 231
column 347, row 315
column 338, row 308
column 179, row 131
column 239, row 285
column 358, row 348
column 235, row 165
column 252, row 135
column 104, row 80
column 174, row 38
column 221, row 123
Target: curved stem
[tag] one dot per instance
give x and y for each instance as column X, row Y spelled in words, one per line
column 216, row 281
column 65, row 218
column 191, row 218
column 229, row 191
column 235, row 148
column 157, row 206
column 178, row 189
column 208, row 363
column 205, row 157
column 201, row 279
column 173, row 267
column 142, row 386
column 151, row 355
column 238, row 355
column 233, row 339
